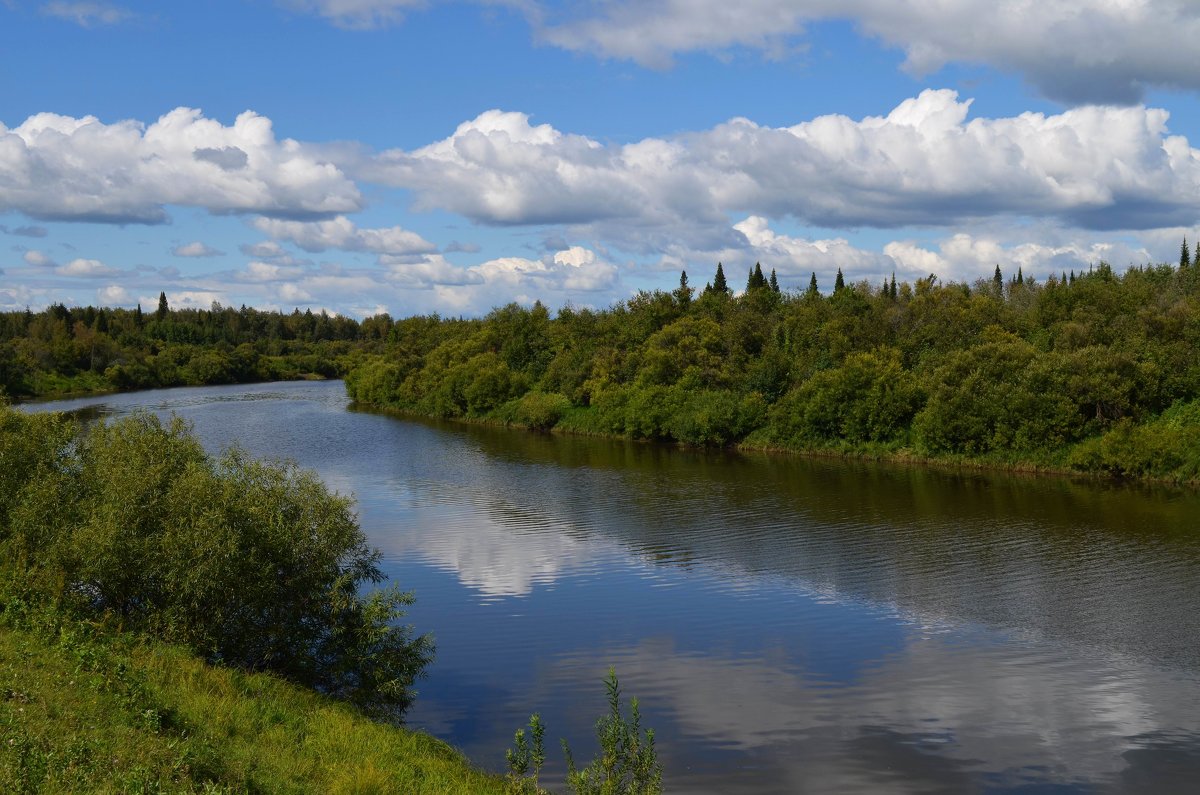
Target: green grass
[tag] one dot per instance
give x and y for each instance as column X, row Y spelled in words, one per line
column 85, row 710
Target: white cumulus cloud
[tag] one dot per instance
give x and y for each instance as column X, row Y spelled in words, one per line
column 85, row 268
column 1072, row 50
column 60, row 167
column 37, row 259
column 113, row 295
column 195, row 249
column 923, row 164
column 343, row 234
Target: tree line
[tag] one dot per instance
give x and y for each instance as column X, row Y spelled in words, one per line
column 1094, row 371
column 88, row 349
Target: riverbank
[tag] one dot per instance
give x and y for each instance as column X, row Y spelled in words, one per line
column 1098, row 459
column 84, row 709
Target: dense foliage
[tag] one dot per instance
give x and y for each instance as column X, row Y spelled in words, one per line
column 85, row 349
column 250, row 564
column 1096, row 371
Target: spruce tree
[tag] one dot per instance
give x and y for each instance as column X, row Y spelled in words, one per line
column 892, row 291
column 137, row 316
column 812, row 284
column 998, row 279
column 1185, row 255
column 1020, row 276
column 759, row 281
column 839, row 283
column 719, row 284
column 774, row 283
column 161, row 312
column 683, row 293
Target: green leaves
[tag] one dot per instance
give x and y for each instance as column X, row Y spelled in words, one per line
column 249, row 563
column 628, row 762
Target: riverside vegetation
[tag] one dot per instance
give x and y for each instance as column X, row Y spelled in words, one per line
column 67, row 350
column 1093, row 372
column 174, row 622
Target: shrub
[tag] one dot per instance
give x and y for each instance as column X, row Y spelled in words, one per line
column 249, row 563
column 539, row 410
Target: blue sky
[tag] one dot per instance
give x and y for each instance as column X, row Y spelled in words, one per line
column 393, row 155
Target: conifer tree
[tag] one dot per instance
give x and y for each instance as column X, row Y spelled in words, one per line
column 1020, row 276
column 839, row 283
column 137, row 316
column 1185, row 255
column 892, row 292
column 998, row 278
column 812, row 284
column 683, row 293
column 1196, row 259
column 719, row 284
column 161, row 312
column 774, row 283
column 759, row 281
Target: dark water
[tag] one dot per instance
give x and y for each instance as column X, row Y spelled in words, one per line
column 789, row 625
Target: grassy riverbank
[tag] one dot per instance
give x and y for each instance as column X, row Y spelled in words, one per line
column 88, row 710
column 172, row 621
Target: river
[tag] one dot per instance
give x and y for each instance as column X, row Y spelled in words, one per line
column 788, row 624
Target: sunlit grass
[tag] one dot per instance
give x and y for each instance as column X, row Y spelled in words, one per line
column 86, row 711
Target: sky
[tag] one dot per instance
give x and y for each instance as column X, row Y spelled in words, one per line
column 419, row 156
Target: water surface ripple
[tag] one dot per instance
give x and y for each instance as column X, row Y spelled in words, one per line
column 789, row 625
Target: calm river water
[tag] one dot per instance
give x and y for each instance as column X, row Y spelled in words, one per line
column 789, row 625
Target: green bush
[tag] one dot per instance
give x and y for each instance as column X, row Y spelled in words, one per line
column 999, row 396
column 248, row 563
column 869, row 398
column 1167, row 447
column 714, row 418
column 539, row 410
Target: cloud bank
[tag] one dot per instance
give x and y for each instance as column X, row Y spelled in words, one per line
column 81, row 169
column 923, row 164
column 1076, row 51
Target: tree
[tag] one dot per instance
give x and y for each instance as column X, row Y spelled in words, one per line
column 719, row 283
column 1196, row 259
column 1020, row 276
column 755, row 280
column 839, row 283
column 893, row 288
column 774, row 283
column 1185, row 255
column 161, row 313
column 812, row 284
column 998, row 279
column 683, row 293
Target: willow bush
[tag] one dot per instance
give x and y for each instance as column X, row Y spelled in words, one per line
column 249, row 563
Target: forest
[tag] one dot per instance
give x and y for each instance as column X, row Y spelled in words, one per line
column 66, row 350
column 1091, row 372
column 1094, row 371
